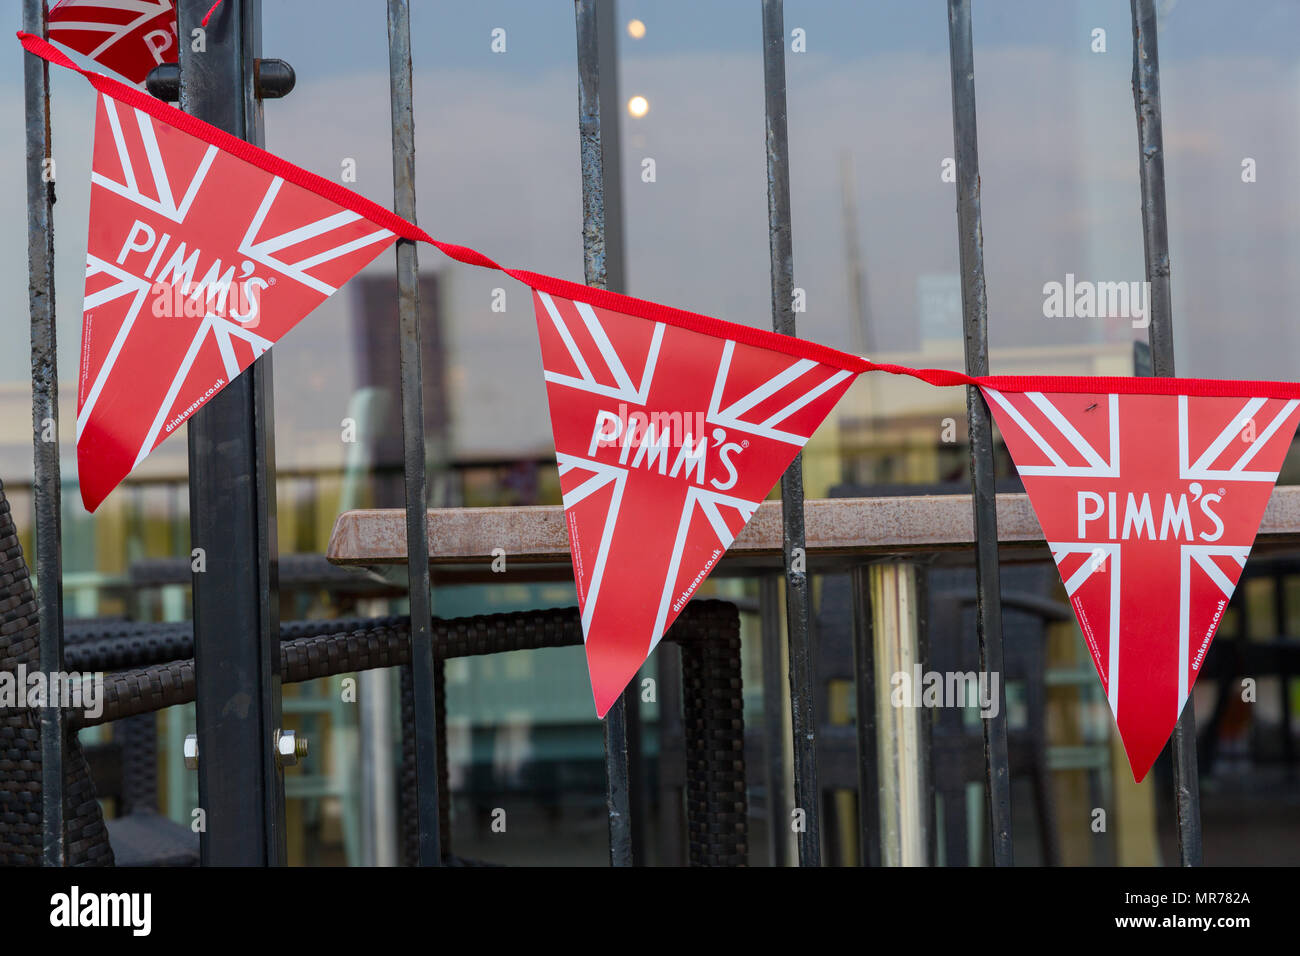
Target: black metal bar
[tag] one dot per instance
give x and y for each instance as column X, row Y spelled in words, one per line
column 988, row 609
column 611, row 145
column 672, row 741
column 1151, row 160
column 1160, row 332
column 864, row 682
column 596, row 272
column 611, row 148
column 769, row 609
column 45, row 405
column 618, row 794
column 414, row 462
column 803, row 720
column 232, row 517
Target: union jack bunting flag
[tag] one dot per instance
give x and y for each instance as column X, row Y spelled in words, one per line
column 196, row 263
column 667, row 438
column 129, row 37
column 1150, row 505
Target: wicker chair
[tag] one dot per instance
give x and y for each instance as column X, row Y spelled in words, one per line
column 21, row 838
column 708, row 633
column 153, row 668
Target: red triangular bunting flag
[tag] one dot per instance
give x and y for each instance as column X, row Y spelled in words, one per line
column 197, row 262
column 129, row 37
column 667, row 438
column 1150, row 504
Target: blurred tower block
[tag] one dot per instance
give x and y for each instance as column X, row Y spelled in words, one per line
column 376, row 350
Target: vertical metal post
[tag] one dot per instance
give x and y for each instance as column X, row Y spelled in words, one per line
column 232, row 515
column 988, row 609
column 902, row 764
column 618, row 793
column 769, row 606
column 45, row 421
column 1160, row 332
column 864, row 682
column 417, row 528
column 807, row 793
column 611, row 148
column 672, row 734
column 596, row 273
column 611, row 145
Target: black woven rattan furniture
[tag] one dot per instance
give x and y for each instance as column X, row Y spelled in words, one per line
column 20, row 738
column 159, row 677
column 708, row 633
column 713, row 717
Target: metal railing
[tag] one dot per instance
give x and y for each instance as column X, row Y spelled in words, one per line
column 45, row 405
column 235, row 519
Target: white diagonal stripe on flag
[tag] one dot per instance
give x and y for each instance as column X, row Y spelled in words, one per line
column 1201, row 470
column 165, row 204
column 730, row 416
column 1262, row 438
column 1098, row 467
column 262, row 251
column 586, row 381
column 603, row 475
column 125, row 284
column 708, row 501
column 1090, row 567
column 1072, row 434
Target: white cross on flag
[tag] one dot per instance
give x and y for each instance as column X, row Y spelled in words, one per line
column 129, row 37
column 1150, row 504
column 668, row 434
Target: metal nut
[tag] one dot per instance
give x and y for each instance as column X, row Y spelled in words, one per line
column 192, row 752
column 289, row 747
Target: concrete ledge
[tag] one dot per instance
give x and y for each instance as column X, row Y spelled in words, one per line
column 834, row 527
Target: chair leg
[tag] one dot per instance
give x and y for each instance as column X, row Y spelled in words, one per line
column 410, row 833
column 717, row 818
column 87, row 837
column 444, row 777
